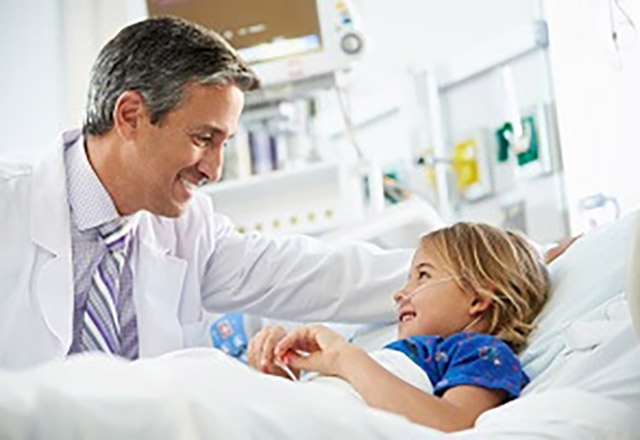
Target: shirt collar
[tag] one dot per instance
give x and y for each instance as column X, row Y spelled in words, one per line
column 90, row 203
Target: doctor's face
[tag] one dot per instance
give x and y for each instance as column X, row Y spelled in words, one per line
column 431, row 303
column 185, row 149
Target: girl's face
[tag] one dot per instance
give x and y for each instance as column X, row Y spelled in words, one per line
column 432, row 303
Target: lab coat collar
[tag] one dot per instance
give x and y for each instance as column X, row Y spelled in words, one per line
column 49, row 200
column 158, row 286
column 50, row 230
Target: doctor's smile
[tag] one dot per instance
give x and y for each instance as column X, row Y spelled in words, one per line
column 186, row 143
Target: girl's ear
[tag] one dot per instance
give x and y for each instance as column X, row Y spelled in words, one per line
column 479, row 304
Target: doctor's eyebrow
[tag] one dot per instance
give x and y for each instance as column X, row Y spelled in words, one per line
column 212, row 130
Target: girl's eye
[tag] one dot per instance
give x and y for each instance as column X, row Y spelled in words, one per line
column 423, row 275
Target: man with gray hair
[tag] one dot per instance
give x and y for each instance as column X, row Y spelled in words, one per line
column 107, row 245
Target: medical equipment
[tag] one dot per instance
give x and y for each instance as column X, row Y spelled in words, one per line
column 394, row 228
column 286, row 369
column 469, row 162
column 285, row 41
column 516, row 135
column 231, row 333
column 598, row 209
column 431, row 284
column 312, row 200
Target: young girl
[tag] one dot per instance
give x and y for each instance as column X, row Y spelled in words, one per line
column 467, row 308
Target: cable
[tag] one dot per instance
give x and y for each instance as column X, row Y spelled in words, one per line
column 614, row 28
column 348, row 124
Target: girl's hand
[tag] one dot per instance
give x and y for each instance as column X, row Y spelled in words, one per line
column 324, row 347
column 261, row 351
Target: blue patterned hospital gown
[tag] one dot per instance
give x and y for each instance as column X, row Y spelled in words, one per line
column 465, row 358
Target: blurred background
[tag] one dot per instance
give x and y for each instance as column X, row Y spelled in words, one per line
column 380, row 120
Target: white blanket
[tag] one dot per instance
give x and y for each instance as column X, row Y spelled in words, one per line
column 201, row 393
column 397, row 363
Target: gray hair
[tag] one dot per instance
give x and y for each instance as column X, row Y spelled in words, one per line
column 158, row 57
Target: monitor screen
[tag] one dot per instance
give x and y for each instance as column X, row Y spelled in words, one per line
column 260, row 30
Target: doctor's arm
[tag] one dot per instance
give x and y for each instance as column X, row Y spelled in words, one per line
column 300, row 278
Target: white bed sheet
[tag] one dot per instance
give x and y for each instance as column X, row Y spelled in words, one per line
column 201, row 393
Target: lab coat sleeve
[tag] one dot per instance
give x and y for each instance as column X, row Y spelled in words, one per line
column 301, row 278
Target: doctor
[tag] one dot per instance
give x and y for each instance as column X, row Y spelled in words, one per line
column 106, row 245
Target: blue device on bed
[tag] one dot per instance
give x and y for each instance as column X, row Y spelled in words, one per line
column 228, row 335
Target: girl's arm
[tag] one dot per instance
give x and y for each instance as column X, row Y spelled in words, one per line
column 456, row 410
column 330, row 354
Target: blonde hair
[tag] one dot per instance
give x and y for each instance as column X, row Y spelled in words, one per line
column 497, row 264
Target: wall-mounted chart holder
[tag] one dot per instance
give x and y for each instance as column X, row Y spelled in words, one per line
column 531, row 150
column 470, row 163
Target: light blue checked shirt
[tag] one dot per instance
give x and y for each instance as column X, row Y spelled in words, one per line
column 91, row 206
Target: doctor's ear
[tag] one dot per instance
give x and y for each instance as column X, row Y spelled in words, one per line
column 128, row 112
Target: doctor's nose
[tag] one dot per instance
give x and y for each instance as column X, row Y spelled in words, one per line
column 210, row 165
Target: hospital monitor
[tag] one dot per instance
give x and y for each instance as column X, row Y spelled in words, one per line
column 283, row 40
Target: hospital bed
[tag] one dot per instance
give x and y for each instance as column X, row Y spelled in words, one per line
column 583, row 359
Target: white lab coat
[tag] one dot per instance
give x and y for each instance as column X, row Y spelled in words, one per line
column 183, row 268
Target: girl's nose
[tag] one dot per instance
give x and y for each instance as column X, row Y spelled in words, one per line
column 399, row 296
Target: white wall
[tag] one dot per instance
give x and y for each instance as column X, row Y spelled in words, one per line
column 424, row 32
column 48, row 47
column 598, row 94
column 31, row 87
column 89, row 24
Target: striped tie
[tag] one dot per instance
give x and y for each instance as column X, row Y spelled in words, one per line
column 100, row 327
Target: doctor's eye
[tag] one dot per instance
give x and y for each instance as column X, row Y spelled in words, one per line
column 202, row 141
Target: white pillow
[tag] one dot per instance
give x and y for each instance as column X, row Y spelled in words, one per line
column 585, row 281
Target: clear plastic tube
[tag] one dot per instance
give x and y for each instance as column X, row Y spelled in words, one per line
column 286, row 369
column 414, row 292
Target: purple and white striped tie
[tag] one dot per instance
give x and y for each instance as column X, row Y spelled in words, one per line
column 100, row 327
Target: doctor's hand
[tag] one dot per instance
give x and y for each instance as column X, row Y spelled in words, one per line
column 261, row 350
column 559, row 249
column 325, row 349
